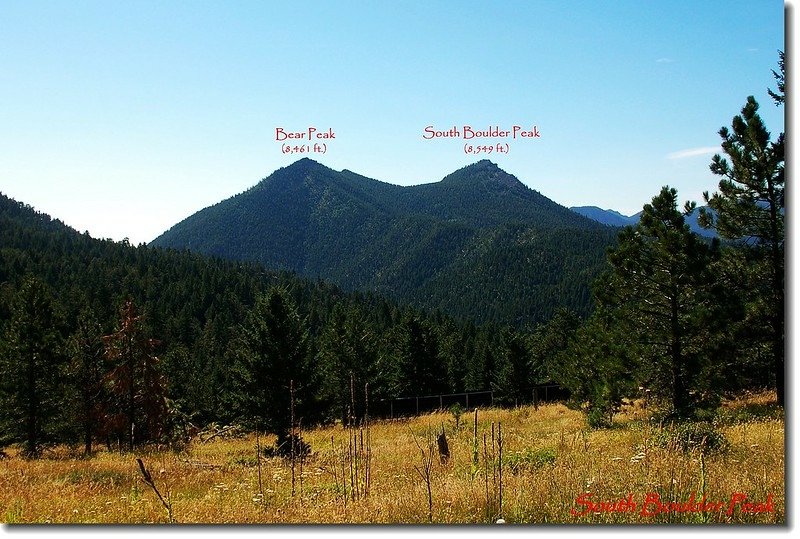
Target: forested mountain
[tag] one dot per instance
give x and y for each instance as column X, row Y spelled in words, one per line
column 196, row 310
column 478, row 244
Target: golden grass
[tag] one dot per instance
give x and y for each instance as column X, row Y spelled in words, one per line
column 549, row 459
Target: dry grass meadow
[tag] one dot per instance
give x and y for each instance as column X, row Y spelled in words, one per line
column 549, row 459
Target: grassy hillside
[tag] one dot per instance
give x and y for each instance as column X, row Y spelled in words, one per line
column 549, row 459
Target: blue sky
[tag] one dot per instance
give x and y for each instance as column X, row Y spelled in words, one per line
column 124, row 118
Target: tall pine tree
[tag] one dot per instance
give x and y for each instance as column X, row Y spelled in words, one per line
column 274, row 356
column 348, row 357
column 419, row 369
column 31, row 371
column 139, row 412
column 661, row 283
column 87, row 374
column 514, row 379
column 600, row 364
column 749, row 208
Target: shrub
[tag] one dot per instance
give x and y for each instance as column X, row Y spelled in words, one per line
column 457, row 411
column 283, row 447
column 599, row 417
column 530, row 459
column 749, row 412
column 691, row 435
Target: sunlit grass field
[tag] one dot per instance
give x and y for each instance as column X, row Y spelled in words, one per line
column 549, row 459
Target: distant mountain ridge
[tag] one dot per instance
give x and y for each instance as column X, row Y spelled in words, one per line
column 479, row 243
column 615, row 218
column 606, row 217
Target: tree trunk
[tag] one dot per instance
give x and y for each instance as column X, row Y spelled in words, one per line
column 778, row 350
column 87, row 442
column 679, row 397
column 778, row 286
column 32, row 419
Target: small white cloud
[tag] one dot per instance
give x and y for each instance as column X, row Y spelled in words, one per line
column 664, row 61
column 693, row 152
column 752, row 49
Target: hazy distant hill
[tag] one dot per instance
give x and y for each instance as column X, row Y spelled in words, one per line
column 478, row 243
column 606, row 217
column 615, row 218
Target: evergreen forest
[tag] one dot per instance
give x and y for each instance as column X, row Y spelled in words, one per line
column 369, row 292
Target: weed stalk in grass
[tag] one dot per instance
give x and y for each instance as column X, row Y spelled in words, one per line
column 351, row 420
column 500, row 464
column 258, row 464
column 475, row 445
column 344, row 480
column 671, row 484
column 335, row 471
column 302, row 457
column 291, row 433
column 425, row 471
column 493, row 460
column 486, row 473
column 147, row 478
column 355, row 458
column 494, row 467
column 703, row 516
column 368, row 468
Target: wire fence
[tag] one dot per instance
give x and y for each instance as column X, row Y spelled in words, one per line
column 411, row 406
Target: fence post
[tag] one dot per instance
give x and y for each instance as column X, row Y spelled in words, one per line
column 417, row 405
column 441, row 407
column 467, row 395
column 391, row 409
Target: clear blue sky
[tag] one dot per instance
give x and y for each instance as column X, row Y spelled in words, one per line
column 124, row 118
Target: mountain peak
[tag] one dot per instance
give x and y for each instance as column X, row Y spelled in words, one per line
column 298, row 171
column 483, row 171
column 306, row 160
column 483, row 164
column 305, row 164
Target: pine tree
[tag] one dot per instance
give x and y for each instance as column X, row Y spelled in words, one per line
column 661, row 283
column 600, row 365
column 455, row 347
column 780, row 78
column 749, row 208
column 481, row 365
column 87, row 373
column 274, row 355
column 514, row 382
column 348, row 355
column 31, row 371
column 137, row 387
column 547, row 344
column 419, row 368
